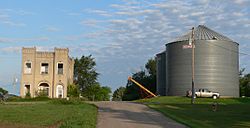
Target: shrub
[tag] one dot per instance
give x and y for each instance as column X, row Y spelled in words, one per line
column 42, row 93
column 27, row 95
column 19, row 99
column 72, row 90
column 67, row 102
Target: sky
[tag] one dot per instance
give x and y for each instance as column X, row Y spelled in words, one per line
column 120, row 34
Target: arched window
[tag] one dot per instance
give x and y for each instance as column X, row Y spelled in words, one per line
column 43, row 89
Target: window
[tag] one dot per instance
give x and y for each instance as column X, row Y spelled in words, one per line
column 43, row 89
column 27, row 68
column 59, row 68
column 44, row 68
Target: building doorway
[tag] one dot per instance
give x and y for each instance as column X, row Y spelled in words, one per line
column 43, row 89
column 27, row 90
column 59, row 91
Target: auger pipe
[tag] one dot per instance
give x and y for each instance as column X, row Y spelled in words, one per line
column 130, row 78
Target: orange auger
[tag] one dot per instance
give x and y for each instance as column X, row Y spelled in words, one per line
column 130, row 78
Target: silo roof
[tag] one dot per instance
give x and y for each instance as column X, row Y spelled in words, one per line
column 203, row 33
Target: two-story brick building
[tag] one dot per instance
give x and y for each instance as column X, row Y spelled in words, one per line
column 47, row 72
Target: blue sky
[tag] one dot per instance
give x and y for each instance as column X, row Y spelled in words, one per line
column 120, row 34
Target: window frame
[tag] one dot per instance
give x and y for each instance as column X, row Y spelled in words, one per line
column 57, row 69
column 25, row 67
column 44, row 73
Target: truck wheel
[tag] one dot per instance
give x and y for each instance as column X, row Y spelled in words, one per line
column 214, row 97
column 195, row 96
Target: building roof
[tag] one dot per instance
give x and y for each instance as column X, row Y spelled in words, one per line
column 203, row 33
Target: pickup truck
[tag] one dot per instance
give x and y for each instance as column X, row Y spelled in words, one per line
column 204, row 93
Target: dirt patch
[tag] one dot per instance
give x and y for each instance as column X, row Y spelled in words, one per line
column 55, row 125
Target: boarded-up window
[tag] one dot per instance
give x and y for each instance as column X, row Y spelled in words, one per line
column 44, row 68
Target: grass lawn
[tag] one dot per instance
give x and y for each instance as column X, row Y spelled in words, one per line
column 231, row 112
column 47, row 114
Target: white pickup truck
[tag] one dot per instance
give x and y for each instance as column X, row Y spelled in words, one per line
column 204, row 93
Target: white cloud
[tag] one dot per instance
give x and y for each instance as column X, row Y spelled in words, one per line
column 19, row 40
column 124, row 7
column 52, row 29
column 240, row 2
column 4, row 16
column 7, row 14
column 23, row 12
column 147, row 27
column 197, row 13
column 238, row 14
column 98, row 12
column 13, row 24
column 11, row 49
column 91, row 22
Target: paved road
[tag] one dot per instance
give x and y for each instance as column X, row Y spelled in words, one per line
column 131, row 115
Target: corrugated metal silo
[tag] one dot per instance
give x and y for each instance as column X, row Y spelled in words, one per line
column 216, row 63
column 161, row 74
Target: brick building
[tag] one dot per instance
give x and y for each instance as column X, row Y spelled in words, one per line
column 46, row 72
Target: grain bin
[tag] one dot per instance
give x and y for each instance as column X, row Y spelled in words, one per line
column 161, row 74
column 216, row 63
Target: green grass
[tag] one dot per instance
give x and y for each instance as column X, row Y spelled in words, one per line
column 48, row 114
column 231, row 112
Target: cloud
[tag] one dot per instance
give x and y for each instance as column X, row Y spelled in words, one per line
column 238, row 14
column 73, row 14
column 141, row 29
column 11, row 49
column 98, row 12
column 197, row 13
column 24, row 13
column 6, row 17
column 240, row 2
column 19, row 40
column 13, row 24
column 92, row 23
column 52, row 29
column 74, row 37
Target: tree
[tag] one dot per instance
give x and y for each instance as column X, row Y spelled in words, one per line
column 97, row 93
column 244, row 83
column 151, row 78
column 151, row 66
column 85, row 77
column 3, row 91
column 85, row 73
column 72, row 90
column 146, row 78
column 105, row 93
column 118, row 94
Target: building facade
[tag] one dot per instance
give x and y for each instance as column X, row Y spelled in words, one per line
column 46, row 73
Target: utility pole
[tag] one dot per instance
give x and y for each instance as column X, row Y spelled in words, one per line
column 193, row 91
